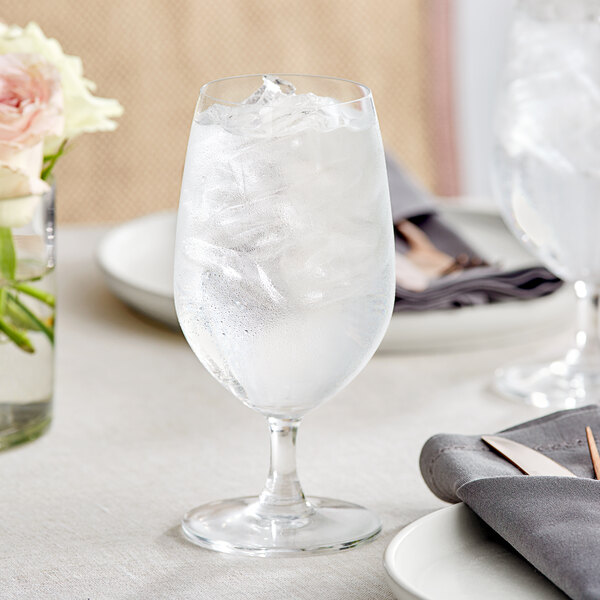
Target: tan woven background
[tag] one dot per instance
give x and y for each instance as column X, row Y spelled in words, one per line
column 154, row 55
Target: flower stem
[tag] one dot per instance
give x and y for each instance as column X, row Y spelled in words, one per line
column 41, row 295
column 50, row 161
column 20, row 339
column 8, row 259
column 48, row 332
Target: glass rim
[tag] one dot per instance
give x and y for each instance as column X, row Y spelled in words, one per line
column 367, row 93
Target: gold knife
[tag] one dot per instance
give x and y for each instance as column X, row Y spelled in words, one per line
column 526, row 459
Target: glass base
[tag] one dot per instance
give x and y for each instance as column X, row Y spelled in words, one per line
column 557, row 385
column 235, row 526
column 20, row 423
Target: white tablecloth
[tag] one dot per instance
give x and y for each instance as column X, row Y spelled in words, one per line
column 143, row 433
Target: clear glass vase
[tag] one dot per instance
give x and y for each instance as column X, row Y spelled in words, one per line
column 27, row 309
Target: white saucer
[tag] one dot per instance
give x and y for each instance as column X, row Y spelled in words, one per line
column 137, row 261
column 451, row 554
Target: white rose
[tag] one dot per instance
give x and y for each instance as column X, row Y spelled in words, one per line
column 84, row 113
column 20, row 186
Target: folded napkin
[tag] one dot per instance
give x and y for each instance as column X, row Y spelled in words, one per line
column 477, row 285
column 554, row 522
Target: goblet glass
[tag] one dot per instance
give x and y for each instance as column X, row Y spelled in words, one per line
column 284, row 281
column 547, row 178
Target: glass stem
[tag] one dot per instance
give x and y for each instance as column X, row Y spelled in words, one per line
column 282, row 496
column 588, row 318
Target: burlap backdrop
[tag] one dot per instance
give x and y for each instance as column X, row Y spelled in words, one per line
column 154, row 55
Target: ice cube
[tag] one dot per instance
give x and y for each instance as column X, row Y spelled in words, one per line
column 548, row 10
column 273, row 87
column 552, row 98
column 275, row 109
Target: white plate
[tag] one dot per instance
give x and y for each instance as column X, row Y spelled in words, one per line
column 452, row 555
column 137, row 261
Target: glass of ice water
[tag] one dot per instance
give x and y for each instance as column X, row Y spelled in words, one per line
column 284, row 281
column 547, row 178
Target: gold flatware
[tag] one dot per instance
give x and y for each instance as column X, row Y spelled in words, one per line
column 421, row 251
column 593, row 451
column 433, row 263
column 526, row 459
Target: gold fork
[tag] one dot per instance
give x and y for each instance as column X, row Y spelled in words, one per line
column 593, row 451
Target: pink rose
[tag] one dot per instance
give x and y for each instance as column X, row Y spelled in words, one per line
column 31, row 105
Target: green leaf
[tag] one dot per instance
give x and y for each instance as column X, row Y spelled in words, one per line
column 8, row 259
column 20, row 339
column 47, row 331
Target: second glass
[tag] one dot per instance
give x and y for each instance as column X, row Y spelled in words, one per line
column 547, row 179
column 284, row 281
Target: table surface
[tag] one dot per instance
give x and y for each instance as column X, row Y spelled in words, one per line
column 142, row 433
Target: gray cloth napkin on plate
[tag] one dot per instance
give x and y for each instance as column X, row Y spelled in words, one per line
column 478, row 285
column 554, row 522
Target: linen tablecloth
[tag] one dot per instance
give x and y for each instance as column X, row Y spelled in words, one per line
column 143, row 433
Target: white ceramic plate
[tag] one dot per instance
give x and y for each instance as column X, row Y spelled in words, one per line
column 452, row 555
column 137, row 261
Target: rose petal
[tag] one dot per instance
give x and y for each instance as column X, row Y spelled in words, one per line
column 31, row 105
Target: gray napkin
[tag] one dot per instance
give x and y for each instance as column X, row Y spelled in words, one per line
column 554, row 522
column 479, row 285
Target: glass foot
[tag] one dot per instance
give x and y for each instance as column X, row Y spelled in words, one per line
column 235, row 526
column 558, row 384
